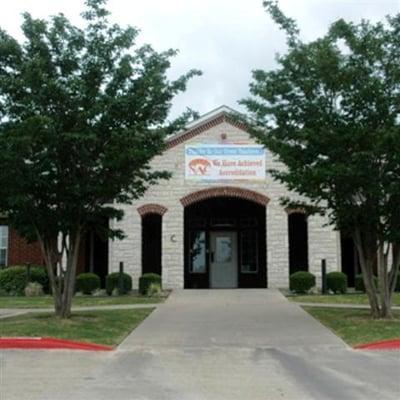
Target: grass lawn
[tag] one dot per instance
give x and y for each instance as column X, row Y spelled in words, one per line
column 47, row 301
column 351, row 298
column 107, row 327
column 356, row 326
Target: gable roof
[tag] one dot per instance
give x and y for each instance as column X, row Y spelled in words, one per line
column 215, row 117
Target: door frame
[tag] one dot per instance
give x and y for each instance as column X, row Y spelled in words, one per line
column 213, row 234
column 202, row 216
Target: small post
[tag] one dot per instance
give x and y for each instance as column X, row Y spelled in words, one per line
column 28, row 272
column 120, row 280
column 323, row 275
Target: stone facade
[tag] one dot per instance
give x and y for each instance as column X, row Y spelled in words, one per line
column 168, row 198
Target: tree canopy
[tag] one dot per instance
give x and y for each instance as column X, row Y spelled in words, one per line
column 82, row 113
column 331, row 113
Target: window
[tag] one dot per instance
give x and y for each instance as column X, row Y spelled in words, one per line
column 197, row 252
column 248, row 222
column 3, row 245
column 249, row 252
column 197, row 223
column 151, row 244
column 298, row 242
column 222, row 222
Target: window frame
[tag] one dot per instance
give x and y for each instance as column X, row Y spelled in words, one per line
column 4, row 228
column 242, row 234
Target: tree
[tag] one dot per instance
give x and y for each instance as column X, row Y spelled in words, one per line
column 331, row 113
column 82, row 113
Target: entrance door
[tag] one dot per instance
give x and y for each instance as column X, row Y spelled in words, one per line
column 223, row 264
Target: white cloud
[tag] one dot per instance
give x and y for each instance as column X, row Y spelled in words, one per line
column 226, row 39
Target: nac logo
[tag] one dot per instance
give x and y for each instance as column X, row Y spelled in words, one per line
column 199, row 166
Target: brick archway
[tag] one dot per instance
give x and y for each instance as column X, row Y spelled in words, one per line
column 151, row 209
column 225, row 191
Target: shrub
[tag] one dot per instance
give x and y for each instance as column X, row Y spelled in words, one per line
column 337, row 282
column 359, row 282
column 13, row 280
column 112, row 282
column 87, row 282
column 39, row 275
column 154, row 290
column 33, row 289
column 146, row 280
column 302, row 281
column 397, row 287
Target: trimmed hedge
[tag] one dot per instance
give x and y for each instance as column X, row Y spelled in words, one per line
column 146, row 280
column 359, row 282
column 112, row 282
column 301, row 281
column 337, row 282
column 13, row 280
column 87, row 282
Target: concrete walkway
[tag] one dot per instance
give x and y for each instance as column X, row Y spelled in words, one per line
column 211, row 345
column 239, row 318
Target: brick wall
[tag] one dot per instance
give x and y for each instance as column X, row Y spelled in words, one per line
column 21, row 252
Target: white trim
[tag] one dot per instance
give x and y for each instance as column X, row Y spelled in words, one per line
column 202, row 120
column 6, row 235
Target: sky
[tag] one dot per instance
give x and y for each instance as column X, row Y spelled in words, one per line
column 225, row 39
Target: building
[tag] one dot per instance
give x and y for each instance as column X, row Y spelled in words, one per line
column 216, row 223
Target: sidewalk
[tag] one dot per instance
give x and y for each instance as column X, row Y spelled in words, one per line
column 338, row 305
column 12, row 312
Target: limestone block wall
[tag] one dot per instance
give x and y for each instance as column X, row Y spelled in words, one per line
column 322, row 239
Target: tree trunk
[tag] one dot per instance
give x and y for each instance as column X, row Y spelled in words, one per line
column 62, row 284
column 383, row 283
column 70, row 275
column 380, row 296
column 367, row 255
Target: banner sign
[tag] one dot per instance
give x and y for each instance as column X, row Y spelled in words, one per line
column 224, row 162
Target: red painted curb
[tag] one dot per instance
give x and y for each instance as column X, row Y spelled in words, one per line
column 43, row 343
column 393, row 344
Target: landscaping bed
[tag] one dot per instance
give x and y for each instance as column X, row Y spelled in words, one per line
column 106, row 327
column 78, row 301
column 355, row 326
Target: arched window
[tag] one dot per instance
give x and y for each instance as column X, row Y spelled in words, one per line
column 298, row 242
column 151, row 243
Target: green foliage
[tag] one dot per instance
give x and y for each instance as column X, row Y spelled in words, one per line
column 82, row 114
column 337, row 282
column 146, row 280
column 330, row 113
column 359, row 282
column 39, row 275
column 112, row 282
column 87, row 282
column 13, row 280
column 301, row 281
